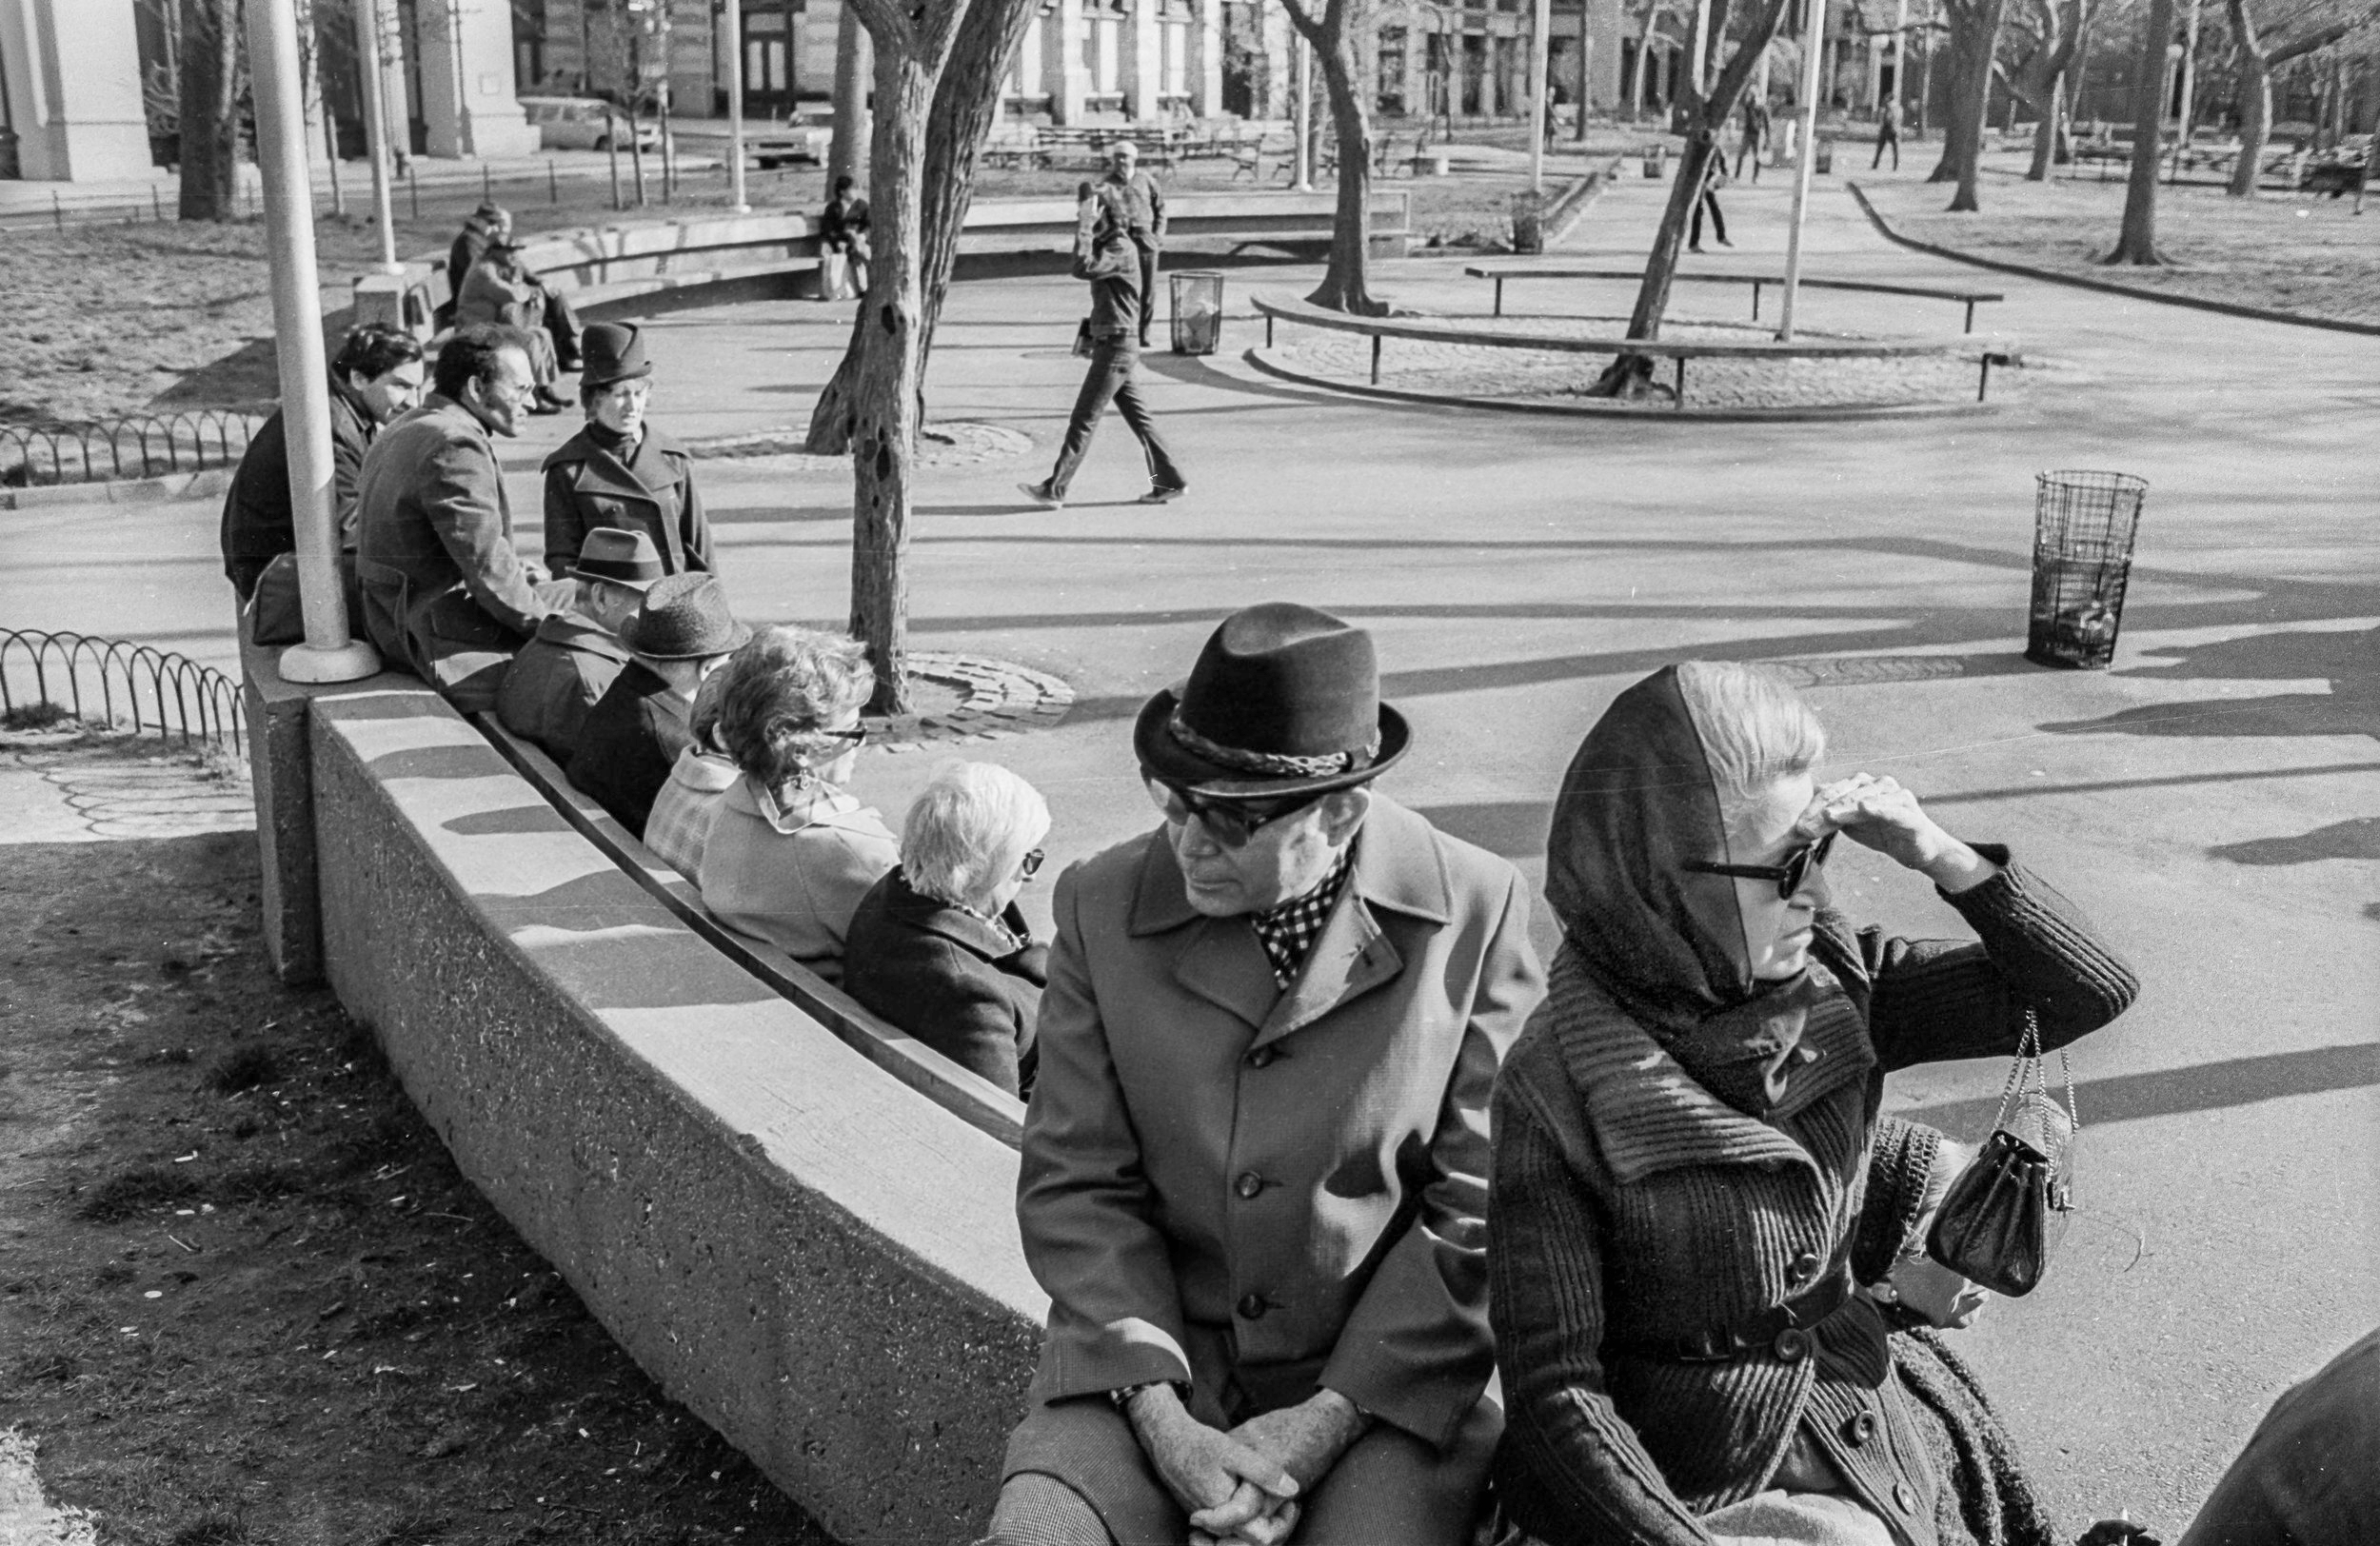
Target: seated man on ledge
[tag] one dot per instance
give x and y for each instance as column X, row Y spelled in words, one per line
column 680, row 634
column 1255, row 1167
column 576, row 655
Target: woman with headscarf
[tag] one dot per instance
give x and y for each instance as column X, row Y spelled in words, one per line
column 1682, row 1136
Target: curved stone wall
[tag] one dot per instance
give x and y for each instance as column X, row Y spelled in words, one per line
column 814, row 1258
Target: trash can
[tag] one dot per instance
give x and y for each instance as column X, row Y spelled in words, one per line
column 1822, row 156
column 1654, row 160
column 1198, row 311
column 1528, row 222
column 2083, row 526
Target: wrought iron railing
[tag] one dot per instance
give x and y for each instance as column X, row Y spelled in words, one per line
column 112, row 684
column 142, row 446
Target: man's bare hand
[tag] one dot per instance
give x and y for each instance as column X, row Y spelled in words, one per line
column 1205, row 1468
column 1308, row 1438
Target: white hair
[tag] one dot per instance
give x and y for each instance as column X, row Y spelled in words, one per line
column 968, row 829
column 1754, row 729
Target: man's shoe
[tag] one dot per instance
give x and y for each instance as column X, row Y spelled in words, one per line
column 1724, row 241
column 1159, row 494
column 1695, row 248
column 1039, row 493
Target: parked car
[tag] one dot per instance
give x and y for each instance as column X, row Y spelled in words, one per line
column 585, row 124
column 805, row 138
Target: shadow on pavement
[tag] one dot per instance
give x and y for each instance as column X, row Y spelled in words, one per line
column 2173, row 1092
column 2358, row 838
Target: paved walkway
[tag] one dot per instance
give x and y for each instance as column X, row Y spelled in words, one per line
column 2211, row 800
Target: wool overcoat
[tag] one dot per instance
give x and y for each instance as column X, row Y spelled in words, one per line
column 1253, row 1190
column 948, row 978
column 588, row 484
column 556, row 681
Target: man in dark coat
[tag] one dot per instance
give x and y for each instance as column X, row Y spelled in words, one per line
column 376, row 376
column 576, row 655
column 634, row 733
column 1104, row 255
column 1143, row 206
column 620, row 472
column 445, row 594
column 1254, row 1173
column 491, row 222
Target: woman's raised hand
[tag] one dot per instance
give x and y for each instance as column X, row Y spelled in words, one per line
column 1879, row 813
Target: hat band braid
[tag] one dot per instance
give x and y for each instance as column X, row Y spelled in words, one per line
column 1278, row 765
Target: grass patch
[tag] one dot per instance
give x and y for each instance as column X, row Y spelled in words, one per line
column 135, row 1191
column 242, row 1068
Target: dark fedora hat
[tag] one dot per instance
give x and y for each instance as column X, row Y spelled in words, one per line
column 684, row 618
column 1284, row 699
column 612, row 351
column 625, row 558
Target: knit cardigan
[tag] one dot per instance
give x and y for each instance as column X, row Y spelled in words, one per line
column 1631, row 1207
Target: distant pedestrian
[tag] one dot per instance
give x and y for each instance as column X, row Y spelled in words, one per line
column 1888, row 133
column 1105, row 256
column 1712, row 171
column 1141, row 206
column 1755, row 137
column 842, row 230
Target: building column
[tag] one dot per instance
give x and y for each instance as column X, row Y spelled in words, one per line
column 1028, row 76
column 1144, row 83
column 1061, row 62
column 468, row 106
column 1206, row 60
column 73, row 79
column 1418, row 24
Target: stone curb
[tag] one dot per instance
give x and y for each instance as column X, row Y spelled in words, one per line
column 158, row 490
column 1590, row 408
column 2051, row 276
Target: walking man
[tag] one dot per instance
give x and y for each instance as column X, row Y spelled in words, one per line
column 1105, row 256
column 1888, row 131
column 1254, row 1178
column 1142, row 208
column 1712, row 171
column 1755, row 137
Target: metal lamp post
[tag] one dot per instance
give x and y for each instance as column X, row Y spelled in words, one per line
column 1540, row 83
column 329, row 653
column 733, row 21
column 1303, row 162
column 376, row 131
column 1802, row 163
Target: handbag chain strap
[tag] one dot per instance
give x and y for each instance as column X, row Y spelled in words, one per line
column 2029, row 1057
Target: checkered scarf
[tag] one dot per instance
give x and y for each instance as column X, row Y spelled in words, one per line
column 1288, row 932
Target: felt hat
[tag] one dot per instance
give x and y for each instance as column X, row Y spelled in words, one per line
column 611, row 351
column 684, row 618
column 625, row 558
column 1284, row 699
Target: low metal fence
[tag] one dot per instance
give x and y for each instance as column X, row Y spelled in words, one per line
column 118, row 685
column 143, row 446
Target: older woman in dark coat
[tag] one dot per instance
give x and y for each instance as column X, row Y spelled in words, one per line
column 938, row 946
column 1683, row 1132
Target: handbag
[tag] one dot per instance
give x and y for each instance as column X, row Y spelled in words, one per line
column 2003, row 1218
column 1082, row 338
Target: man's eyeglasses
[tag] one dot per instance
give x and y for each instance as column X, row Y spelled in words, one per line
column 1230, row 822
column 1788, row 876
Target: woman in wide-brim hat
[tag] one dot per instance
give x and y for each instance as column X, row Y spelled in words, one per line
column 1683, row 1135
column 622, row 470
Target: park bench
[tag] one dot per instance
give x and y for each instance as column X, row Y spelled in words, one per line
column 1676, row 351
column 1963, row 295
column 966, row 1095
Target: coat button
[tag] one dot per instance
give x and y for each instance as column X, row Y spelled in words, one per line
column 1252, row 1306
column 1793, row 1344
column 1249, row 1185
column 1906, row 1497
column 1261, row 1057
column 1861, row 1428
column 1803, row 1267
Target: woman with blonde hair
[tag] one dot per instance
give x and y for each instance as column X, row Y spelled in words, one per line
column 789, row 852
column 1683, row 1132
column 938, row 947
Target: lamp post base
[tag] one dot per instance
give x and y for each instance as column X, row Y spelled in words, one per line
column 312, row 664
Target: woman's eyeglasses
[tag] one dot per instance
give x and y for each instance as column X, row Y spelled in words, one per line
column 1230, row 822
column 1030, row 864
column 856, row 735
column 1788, row 876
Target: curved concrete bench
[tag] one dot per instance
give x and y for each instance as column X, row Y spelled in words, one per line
column 969, row 1096
column 1965, row 296
column 1677, row 351
column 818, row 1263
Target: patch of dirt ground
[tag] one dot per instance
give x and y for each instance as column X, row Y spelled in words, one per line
column 244, row 1296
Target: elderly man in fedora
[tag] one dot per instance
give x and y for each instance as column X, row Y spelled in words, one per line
column 575, row 655
column 632, row 736
column 1255, row 1166
column 620, row 471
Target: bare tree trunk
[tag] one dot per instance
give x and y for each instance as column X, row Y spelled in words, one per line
column 209, row 109
column 2256, row 64
column 2137, row 243
column 2045, row 132
column 1974, row 40
column 854, row 63
column 1346, row 282
column 885, row 410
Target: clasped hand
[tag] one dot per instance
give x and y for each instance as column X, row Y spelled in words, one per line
column 1243, row 1486
column 1877, row 813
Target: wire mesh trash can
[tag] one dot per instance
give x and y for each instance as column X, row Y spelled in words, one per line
column 2082, row 558
column 1528, row 222
column 1198, row 311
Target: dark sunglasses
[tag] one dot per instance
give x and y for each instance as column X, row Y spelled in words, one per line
column 1031, row 864
column 1788, row 876
column 1230, row 822
column 857, row 735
